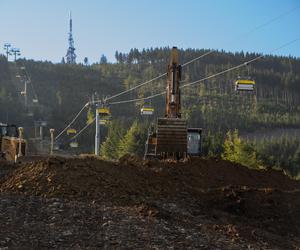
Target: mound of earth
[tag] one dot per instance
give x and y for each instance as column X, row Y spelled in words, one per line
column 93, row 177
column 89, row 177
column 239, row 202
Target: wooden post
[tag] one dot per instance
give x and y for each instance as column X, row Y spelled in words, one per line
column 19, row 154
column 52, row 140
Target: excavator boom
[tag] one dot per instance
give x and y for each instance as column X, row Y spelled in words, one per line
column 170, row 138
column 173, row 102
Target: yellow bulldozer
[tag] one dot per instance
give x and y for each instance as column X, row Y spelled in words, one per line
column 12, row 145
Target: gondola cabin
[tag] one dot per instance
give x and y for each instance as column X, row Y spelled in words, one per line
column 71, row 131
column 147, row 110
column 104, row 121
column 103, row 111
column 244, row 84
column 105, row 115
column 74, row 144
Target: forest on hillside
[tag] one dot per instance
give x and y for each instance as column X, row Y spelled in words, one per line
column 62, row 90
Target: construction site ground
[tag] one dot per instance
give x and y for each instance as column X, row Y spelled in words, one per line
column 88, row 203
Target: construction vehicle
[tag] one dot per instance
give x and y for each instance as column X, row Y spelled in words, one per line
column 10, row 142
column 194, row 141
column 170, row 139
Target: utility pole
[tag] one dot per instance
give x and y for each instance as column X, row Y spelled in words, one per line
column 52, row 140
column 26, row 78
column 24, row 92
column 21, row 130
column 97, row 134
column 6, row 48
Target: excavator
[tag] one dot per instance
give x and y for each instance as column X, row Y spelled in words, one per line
column 172, row 138
column 10, row 142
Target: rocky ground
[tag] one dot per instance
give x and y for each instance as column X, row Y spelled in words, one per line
column 87, row 203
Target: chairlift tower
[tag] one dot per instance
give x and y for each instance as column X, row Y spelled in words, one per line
column 71, row 56
column 97, row 134
column 16, row 52
column 7, row 46
column 24, row 78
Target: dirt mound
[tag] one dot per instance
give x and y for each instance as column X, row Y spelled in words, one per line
column 5, row 167
column 73, row 178
column 132, row 177
column 238, row 201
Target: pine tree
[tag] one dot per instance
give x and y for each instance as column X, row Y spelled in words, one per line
column 90, row 116
column 297, row 157
column 228, row 153
column 248, row 156
column 239, row 151
column 110, row 148
column 103, row 59
column 129, row 143
column 86, row 61
column 117, row 56
column 237, row 146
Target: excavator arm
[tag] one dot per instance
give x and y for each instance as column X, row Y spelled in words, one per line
column 170, row 137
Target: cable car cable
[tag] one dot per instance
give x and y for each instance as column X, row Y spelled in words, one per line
column 83, row 129
column 208, row 77
column 28, row 78
column 209, row 52
column 185, row 64
column 74, row 119
column 133, row 88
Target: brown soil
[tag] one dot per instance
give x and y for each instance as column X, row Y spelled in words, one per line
column 261, row 208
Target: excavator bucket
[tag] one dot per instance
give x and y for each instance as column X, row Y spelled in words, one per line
column 171, row 136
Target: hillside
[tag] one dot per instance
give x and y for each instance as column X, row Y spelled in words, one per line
column 63, row 89
column 213, row 105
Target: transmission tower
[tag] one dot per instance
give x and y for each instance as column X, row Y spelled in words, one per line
column 71, row 56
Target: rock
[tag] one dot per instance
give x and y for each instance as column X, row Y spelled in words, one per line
column 67, row 233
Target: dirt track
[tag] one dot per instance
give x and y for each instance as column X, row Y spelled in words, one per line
column 209, row 204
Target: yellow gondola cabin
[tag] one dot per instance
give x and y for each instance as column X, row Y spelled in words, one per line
column 244, row 84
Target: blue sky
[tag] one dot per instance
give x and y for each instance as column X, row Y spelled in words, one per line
column 40, row 27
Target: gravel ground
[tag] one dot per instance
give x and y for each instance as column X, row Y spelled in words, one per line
column 38, row 223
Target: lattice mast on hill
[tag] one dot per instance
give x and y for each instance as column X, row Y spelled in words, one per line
column 71, row 56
